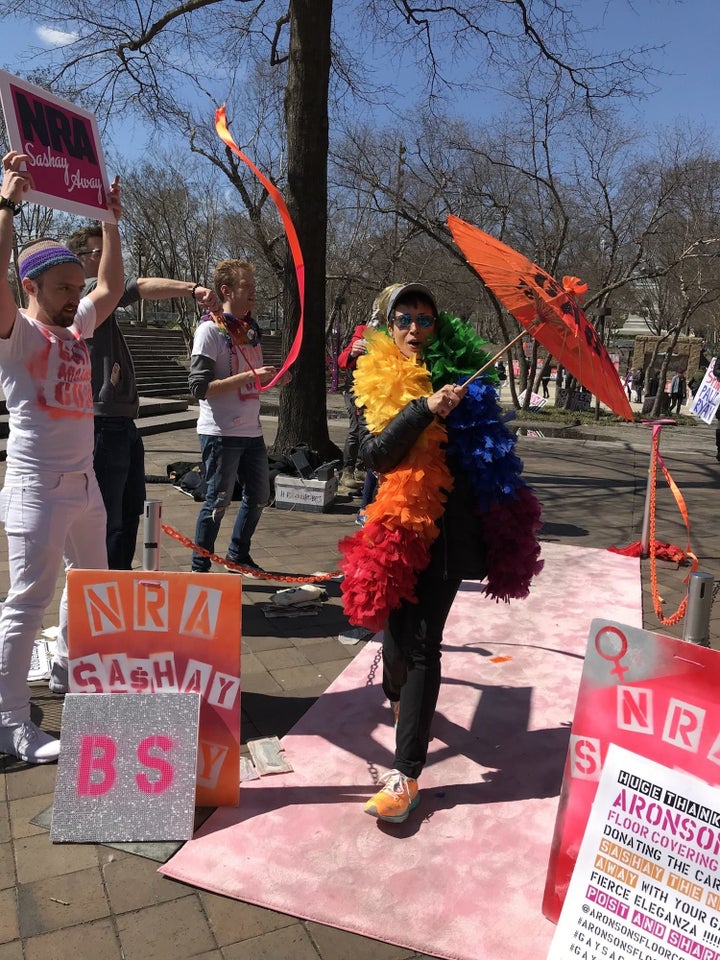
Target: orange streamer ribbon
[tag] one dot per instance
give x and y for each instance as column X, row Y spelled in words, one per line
column 222, row 131
column 680, row 501
column 682, row 507
column 575, row 286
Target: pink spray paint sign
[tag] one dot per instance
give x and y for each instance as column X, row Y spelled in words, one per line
column 62, row 142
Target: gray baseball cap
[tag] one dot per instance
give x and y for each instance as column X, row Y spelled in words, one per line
column 403, row 289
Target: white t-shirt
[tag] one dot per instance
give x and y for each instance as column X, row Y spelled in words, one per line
column 237, row 412
column 45, row 376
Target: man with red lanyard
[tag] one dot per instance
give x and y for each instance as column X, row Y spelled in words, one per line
column 50, row 504
column 226, row 372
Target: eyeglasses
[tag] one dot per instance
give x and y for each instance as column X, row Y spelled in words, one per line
column 405, row 320
column 91, row 253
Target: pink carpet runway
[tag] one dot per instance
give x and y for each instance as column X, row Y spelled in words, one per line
column 463, row 878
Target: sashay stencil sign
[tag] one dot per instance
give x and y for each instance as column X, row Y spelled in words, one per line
column 150, row 632
column 63, row 144
column 646, row 882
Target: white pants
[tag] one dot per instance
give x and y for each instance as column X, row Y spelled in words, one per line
column 49, row 519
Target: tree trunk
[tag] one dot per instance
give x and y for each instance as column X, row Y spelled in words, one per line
column 657, row 405
column 303, row 408
column 657, row 409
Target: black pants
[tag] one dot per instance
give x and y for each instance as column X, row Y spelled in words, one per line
column 119, row 461
column 411, row 667
column 352, row 440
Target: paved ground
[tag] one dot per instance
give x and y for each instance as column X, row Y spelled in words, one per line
column 86, row 901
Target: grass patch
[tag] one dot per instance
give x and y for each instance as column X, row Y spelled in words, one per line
column 576, row 418
column 566, row 418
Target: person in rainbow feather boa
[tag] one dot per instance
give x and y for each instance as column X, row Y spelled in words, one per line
column 451, row 506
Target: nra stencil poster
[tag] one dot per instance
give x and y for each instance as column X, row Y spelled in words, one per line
column 146, row 632
column 707, row 397
column 63, row 144
column 653, row 695
column 646, row 883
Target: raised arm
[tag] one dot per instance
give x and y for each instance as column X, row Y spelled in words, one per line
column 111, row 273
column 14, row 184
column 163, row 288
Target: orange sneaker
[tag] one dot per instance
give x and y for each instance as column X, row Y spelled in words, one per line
column 397, row 798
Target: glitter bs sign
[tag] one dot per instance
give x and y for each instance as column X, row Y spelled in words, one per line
column 652, row 695
column 142, row 632
column 62, row 142
column 127, row 768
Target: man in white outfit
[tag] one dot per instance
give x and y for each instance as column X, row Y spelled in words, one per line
column 51, row 505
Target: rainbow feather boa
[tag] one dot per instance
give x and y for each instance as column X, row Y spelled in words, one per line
column 382, row 560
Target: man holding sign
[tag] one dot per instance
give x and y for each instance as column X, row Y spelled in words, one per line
column 50, row 505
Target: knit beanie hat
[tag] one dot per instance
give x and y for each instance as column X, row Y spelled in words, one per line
column 39, row 257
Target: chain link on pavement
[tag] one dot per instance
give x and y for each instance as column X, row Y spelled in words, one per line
column 372, row 769
column 248, row 571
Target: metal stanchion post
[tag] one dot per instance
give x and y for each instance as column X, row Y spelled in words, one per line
column 697, row 618
column 151, row 534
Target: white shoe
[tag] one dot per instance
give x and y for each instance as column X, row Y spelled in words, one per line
column 58, row 682
column 28, row 742
column 297, row 596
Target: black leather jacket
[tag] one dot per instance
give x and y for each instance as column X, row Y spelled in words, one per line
column 459, row 551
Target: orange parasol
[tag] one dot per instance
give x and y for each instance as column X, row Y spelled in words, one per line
column 546, row 309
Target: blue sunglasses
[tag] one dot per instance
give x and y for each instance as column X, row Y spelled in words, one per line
column 404, row 321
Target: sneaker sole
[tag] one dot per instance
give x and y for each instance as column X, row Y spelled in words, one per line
column 34, row 763
column 400, row 818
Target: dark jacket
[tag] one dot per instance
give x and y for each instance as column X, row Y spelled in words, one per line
column 108, row 347
column 459, row 551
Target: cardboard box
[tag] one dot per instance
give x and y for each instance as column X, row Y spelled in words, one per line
column 312, row 496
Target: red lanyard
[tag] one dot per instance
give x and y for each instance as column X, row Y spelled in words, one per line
column 258, row 385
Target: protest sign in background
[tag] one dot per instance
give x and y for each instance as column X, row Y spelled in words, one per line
column 707, row 396
column 63, row 144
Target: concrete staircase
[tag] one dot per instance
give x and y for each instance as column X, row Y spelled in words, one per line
column 161, row 361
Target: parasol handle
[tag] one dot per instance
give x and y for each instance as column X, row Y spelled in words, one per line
column 497, row 356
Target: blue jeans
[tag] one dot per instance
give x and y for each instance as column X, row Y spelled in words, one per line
column 119, row 462
column 227, row 459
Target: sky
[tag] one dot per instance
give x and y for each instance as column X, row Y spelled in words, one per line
column 686, row 30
